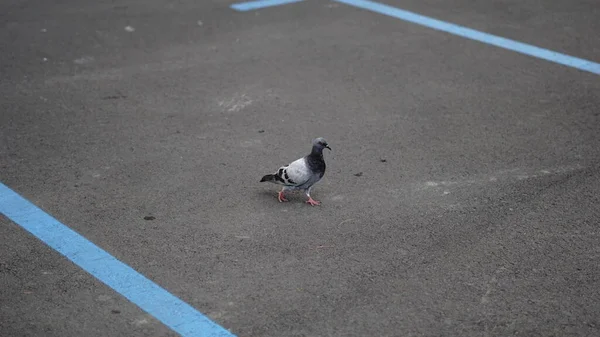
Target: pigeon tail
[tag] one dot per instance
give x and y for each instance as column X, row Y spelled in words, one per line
column 268, row 177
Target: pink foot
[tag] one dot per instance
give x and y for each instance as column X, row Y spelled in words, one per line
column 281, row 197
column 313, row 202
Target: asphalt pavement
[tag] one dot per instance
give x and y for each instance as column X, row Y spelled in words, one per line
column 460, row 199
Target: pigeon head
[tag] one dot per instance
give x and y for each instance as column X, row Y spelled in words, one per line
column 319, row 144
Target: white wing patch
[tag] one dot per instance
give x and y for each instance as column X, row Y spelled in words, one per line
column 294, row 174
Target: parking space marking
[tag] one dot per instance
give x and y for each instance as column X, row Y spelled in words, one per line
column 472, row 34
column 498, row 41
column 251, row 5
column 150, row 297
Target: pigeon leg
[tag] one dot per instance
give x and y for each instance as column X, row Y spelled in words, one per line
column 281, row 196
column 310, row 200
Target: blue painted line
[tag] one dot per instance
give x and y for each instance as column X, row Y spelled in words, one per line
column 251, row 5
column 472, row 34
column 170, row 310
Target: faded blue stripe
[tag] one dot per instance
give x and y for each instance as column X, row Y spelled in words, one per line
column 150, row 297
column 472, row 34
column 250, row 5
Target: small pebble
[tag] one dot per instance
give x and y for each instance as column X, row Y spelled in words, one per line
column 358, row 174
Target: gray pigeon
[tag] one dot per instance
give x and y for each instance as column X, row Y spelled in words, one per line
column 302, row 173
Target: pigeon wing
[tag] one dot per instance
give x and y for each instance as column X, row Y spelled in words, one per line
column 294, row 174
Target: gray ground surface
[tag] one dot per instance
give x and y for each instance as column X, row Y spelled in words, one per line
column 483, row 219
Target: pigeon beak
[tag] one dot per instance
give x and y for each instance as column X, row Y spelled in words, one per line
column 327, row 147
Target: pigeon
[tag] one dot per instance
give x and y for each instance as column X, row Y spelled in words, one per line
column 301, row 174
